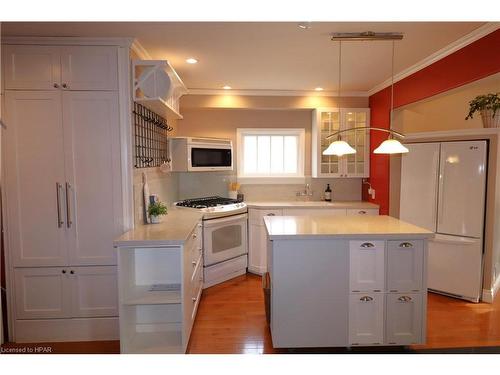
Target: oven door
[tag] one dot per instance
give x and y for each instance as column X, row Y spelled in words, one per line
column 224, row 238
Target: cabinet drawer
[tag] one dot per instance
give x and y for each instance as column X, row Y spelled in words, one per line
column 255, row 216
column 404, row 318
column 367, row 266
column 366, row 319
column 362, row 211
column 405, row 265
column 314, row 212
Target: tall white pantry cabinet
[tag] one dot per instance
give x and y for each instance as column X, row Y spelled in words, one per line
column 63, row 178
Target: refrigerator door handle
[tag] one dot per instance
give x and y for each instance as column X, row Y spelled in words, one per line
column 440, row 192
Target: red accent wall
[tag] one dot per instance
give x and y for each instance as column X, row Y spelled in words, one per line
column 475, row 61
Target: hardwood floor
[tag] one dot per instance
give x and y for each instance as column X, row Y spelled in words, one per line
column 231, row 320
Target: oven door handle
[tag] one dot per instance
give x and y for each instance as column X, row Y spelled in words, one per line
column 227, row 219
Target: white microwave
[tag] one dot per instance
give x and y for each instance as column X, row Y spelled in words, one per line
column 191, row 154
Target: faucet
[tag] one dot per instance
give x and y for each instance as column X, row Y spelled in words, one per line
column 307, row 192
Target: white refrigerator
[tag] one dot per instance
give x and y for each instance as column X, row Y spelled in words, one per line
column 443, row 189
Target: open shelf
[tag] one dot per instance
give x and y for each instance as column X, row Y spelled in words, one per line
column 157, row 342
column 160, row 107
column 141, row 295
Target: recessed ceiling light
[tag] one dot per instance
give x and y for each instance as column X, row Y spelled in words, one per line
column 304, row 25
column 226, row 87
column 318, row 89
column 191, row 60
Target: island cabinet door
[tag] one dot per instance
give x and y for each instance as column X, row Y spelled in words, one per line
column 366, row 319
column 404, row 318
column 405, row 265
column 367, row 266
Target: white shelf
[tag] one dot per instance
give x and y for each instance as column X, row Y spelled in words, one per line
column 160, row 107
column 169, row 342
column 141, row 295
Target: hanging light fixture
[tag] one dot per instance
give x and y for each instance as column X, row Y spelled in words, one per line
column 339, row 147
column 390, row 145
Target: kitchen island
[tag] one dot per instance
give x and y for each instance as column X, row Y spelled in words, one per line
column 346, row 281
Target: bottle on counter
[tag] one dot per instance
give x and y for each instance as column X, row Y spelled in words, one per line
column 328, row 193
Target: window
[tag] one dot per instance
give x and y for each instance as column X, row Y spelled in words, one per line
column 270, row 153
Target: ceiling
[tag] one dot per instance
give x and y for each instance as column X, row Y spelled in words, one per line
column 270, row 55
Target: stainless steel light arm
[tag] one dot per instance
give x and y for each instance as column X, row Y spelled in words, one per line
column 390, row 131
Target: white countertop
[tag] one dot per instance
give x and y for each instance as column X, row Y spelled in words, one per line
column 172, row 231
column 352, row 227
column 311, row 204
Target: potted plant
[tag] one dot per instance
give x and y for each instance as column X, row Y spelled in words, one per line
column 155, row 210
column 488, row 106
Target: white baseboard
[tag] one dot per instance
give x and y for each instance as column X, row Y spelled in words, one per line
column 256, row 270
column 489, row 294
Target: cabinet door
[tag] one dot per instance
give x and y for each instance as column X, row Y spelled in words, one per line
column 366, row 319
column 89, row 68
column 327, row 122
column 255, row 252
column 366, row 266
column 42, row 293
column 34, row 175
column 93, row 185
column 405, row 265
column 356, row 165
column 31, row 67
column 94, row 291
column 404, row 319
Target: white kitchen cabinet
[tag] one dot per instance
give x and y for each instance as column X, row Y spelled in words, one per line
column 36, row 67
column 93, row 194
column 34, row 178
column 94, row 291
column 314, row 212
column 257, row 238
column 326, row 121
column 366, row 319
column 30, row 67
column 89, row 68
column 42, row 293
column 367, row 266
column 65, row 292
column 404, row 318
column 404, row 265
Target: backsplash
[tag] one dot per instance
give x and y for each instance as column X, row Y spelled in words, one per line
column 200, row 184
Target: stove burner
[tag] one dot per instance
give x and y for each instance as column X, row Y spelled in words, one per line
column 206, row 202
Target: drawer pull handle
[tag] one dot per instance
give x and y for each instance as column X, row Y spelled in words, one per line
column 404, row 299
column 366, row 299
column 193, row 262
column 405, row 244
column 194, row 235
column 271, row 214
column 366, row 245
column 194, row 299
column 362, row 212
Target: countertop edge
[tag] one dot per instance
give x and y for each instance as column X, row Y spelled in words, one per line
column 416, row 236
column 298, row 204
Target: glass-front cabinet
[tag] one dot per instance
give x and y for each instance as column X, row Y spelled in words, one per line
column 329, row 120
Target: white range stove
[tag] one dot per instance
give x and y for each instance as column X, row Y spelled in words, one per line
column 225, row 245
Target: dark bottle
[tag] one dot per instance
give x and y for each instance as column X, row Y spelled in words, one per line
column 328, row 193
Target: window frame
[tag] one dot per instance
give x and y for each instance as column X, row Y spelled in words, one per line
column 285, row 178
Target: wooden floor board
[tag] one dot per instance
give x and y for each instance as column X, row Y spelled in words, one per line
column 231, row 320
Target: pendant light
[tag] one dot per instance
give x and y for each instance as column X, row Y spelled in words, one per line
column 339, row 147
column 391, row 145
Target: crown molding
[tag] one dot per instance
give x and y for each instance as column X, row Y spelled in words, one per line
column 64, row 40
column 438, row 55
column 275, row 93
column 140, row 51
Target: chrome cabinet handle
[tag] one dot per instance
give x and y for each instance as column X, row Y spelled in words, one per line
column 60, row 221
column 194, row 299
column 193, row 262
column 72, row 272
column 65, row 86
column 367, row 245
column 194, row 235
column 404, row 299
column 362, row 212
column 271, row 214
column 56, row 85
column 63, row 271
column 405, row 244
column 69, row 221
column 366, row 299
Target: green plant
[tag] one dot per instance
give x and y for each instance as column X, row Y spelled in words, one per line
column 482, row 102
column 157, row 209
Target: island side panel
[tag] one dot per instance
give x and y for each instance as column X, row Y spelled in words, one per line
column 310, row 293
